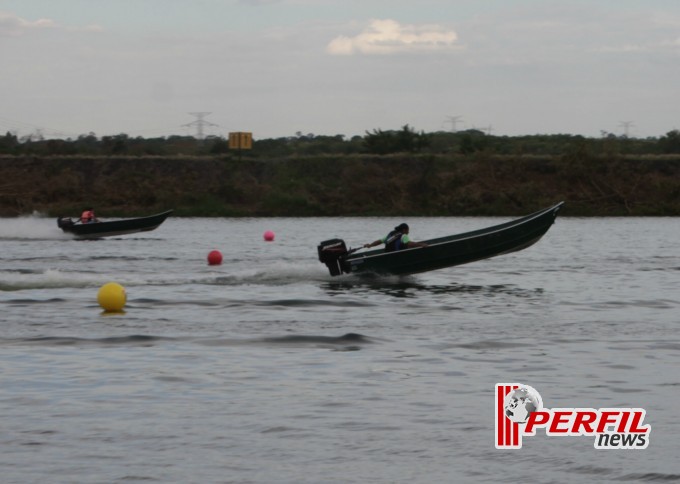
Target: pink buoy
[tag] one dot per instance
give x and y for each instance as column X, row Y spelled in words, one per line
column 269, row 236
column 214, row 258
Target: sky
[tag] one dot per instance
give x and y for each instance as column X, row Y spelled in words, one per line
column 278, row 68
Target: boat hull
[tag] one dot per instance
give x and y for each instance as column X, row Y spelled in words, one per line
column 455, row 249
column 114, row 227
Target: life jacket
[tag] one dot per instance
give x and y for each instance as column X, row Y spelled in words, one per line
column 393, row 241
column 87, row 217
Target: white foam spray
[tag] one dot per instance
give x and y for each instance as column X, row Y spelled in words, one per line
column 31, row 227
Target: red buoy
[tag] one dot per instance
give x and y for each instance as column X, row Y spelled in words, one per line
column 269, row 236
column 214, row 258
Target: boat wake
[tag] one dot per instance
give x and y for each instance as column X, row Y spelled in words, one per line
column 31, row 227
column 346, row 342
column 48, row 279
column 277, row 274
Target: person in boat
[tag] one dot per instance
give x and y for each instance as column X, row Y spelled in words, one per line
column 88, row 217
column 397, row 239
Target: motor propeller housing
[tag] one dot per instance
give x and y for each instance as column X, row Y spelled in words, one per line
column 64, row 222
column 331, row 253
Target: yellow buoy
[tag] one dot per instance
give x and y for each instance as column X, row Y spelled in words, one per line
column 112, row 297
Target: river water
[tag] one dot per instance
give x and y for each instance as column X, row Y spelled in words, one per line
column 242, row 372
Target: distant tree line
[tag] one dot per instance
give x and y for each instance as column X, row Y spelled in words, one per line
column 404, row 140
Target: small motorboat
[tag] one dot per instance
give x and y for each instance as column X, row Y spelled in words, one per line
column 95, row 230
column 441, row 252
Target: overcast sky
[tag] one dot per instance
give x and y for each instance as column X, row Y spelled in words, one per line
column 328, row 67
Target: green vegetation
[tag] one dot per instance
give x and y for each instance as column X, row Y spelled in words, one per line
column 382, row 173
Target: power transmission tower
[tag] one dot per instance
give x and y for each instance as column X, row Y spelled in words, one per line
column 200, row 123
column 454, row 120
column 626, row 125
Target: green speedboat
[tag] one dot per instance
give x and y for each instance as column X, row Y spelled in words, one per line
column 110, row 228
column 441, row 252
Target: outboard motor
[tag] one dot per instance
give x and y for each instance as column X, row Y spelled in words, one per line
column 332, row 253
column 64, row 222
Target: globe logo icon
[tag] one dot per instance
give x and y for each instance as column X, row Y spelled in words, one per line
column 521, row 402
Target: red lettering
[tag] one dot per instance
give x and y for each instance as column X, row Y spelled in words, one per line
column 560, row 418
column 536, row 419
column 606, row 418
column 624, row 420
column 637, row 419
column 584, row 419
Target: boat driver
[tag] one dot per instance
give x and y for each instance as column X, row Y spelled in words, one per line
column 87, row 217
column 397, row 239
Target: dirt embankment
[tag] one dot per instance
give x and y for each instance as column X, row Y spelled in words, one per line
column 340, row 185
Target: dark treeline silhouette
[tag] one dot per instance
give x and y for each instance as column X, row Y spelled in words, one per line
column 405, row 140
column 396, row 172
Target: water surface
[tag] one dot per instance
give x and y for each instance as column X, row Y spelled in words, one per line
column 266, row 369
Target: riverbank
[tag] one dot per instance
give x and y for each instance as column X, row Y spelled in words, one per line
column 352, row 185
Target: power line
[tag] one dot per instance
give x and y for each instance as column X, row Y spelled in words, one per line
column 454, row 120
column 626, row 125
column 39, row 131
column 200, row 123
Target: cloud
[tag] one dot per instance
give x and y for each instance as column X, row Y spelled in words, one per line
column 12, row 25
column 624, row 48
column 257, row 3
column 93, row 28
column 672, row 43
column 389, row 36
